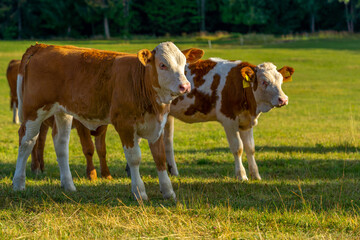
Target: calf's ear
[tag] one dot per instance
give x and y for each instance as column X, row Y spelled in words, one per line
column 145, row 56
column 286, row 72
column 193, row 54
column 248, row 75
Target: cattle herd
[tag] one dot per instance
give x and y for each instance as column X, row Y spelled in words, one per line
column 66, row 87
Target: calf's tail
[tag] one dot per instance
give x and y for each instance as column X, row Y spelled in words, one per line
column 19, row 90
column 22, row 75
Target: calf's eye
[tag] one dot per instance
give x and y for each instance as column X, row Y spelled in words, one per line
column 163, row 66
column 265, row 83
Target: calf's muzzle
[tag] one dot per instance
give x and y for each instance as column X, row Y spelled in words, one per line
column 184, row 88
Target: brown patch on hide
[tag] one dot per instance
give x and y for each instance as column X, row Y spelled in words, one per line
column 176, row 100
column 204, row 103
column 236, row 98
column 200, row 69
column 215, row 83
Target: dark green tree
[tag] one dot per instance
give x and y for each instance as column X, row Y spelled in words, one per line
column 311, row 8
column 351, row 13
column 171, row 16
column 246, row 12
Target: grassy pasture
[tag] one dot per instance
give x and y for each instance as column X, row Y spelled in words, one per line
column 307, row 153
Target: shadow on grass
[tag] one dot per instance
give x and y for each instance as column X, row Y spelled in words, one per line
column 325, row 185
column 318, row 148
column 261, row 196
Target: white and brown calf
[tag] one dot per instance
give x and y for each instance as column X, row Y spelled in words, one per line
column 132, row 92
column 233, row 93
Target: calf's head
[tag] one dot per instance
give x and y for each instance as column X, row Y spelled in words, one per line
column 268, row 93
column 168, row 66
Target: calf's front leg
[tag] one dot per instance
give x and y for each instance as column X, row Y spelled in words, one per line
column 130, row 142
column 247, row 138
column 158, row 152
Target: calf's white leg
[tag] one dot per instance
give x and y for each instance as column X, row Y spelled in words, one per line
column 28, row 134
column 26, row 145
column 133, row 158
column 15, row 114
column 61, row 144
column 247, row 138
column 236, row 147
column 169, row 146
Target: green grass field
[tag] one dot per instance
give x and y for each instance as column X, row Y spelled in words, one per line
column 307, row 153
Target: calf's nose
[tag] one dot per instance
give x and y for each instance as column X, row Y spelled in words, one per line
column 283, row 101
column 184, row 88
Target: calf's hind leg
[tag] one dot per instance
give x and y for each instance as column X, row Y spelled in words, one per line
column 87, row 148
column 28, row 134
column 236, row 147
column 169, row 146
column 100, row 145
column 37, row 155
column 61, row 144
column 15, row 113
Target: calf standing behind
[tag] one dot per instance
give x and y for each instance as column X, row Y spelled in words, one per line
column 11, row 75
column 233, row 93
column 132, row 92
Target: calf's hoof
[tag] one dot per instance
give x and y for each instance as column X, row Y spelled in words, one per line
column 255, row 176
column 242, row 178
column 18, row 184
column 36, row 171
column 170, row 195
column 107, row 177
column 140, row 196
column 68, row 186
column 172, row 170
column 92, row 175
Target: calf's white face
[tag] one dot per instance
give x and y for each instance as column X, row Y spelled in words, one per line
column 170, row 64
column 269, row 93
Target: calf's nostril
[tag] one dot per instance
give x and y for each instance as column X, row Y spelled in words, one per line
column 182, row 88
column 283, row 101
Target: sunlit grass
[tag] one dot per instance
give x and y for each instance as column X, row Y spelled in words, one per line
column 307, row 153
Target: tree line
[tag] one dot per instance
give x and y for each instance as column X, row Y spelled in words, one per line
column 26, row 19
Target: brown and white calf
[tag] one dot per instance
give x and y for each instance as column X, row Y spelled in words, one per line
column 37, row 154
column 233, row 93
column 133, row 92
column 11, row 75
